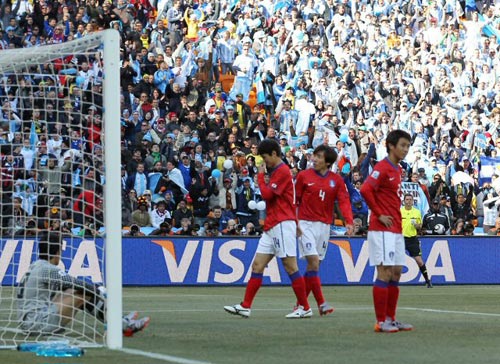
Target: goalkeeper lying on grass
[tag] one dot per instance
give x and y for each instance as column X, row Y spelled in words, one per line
column 48, row 298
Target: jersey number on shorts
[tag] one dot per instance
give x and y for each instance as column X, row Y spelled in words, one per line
column 322, row 195
column 276, row 242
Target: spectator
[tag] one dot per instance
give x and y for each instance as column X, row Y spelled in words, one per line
column 495, row 230
column 186, row 227
column 438, row 187
column 164, row 229
column 200, row 194
column 434, row 222
column 172, row 180
column 141, row 216
column 245, row 193
column 444, row 94
column 359, row 228
column 134, row 231
column 138, row 180
column 227, row 195
column 159, row 214
column 232, row 228
column 180, row 213
column 461, row 205
column 250, row 230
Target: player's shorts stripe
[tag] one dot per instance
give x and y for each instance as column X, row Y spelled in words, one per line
column 283, row 240
column 383, row 244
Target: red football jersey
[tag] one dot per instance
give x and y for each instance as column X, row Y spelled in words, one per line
column 279, row 196
column 316, row 195
column 382, row 193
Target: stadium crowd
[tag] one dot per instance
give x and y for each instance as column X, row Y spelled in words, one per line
column 203, row 82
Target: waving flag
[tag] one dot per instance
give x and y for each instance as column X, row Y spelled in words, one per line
column 280, row 4
column 33, row 136
column 261, row 95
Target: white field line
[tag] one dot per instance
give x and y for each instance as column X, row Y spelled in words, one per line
column 432, row 310
column 166, row 358
column 340, row 308
column 174, row 359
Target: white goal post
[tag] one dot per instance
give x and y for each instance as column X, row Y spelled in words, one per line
column 32, row 74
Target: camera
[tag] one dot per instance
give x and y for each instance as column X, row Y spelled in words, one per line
column 134, row 229
column 238, row 227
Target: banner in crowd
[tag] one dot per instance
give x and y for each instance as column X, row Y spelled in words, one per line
column 419, row 198
column 489, row 167
column 227, row 261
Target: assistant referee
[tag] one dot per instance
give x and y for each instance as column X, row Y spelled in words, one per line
column 412, row 223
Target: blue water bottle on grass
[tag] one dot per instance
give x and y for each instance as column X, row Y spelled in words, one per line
column 32, row 347
column 28, row 347
column 52, row 349
column 60, row 351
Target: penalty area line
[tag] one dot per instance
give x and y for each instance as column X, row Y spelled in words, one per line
column 340, row 309
column 470, row 313
column 166, row 358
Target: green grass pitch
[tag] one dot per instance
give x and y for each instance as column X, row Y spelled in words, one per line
column 453, row 324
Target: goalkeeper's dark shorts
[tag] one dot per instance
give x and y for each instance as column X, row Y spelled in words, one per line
column 412, row 245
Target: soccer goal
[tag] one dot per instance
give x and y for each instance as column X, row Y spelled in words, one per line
column 60, row 159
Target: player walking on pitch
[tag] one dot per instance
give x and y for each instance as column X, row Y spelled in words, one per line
column 316, row 191
column 280, row 231
column 382, row 193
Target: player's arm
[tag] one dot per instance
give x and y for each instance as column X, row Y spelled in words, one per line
column 276, row 185
column 368, row 191
column 299, row 188
column 59, row 280
column 418, row 217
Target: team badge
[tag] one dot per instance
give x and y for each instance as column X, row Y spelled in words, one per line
column 274, row 185
column 332, row 183
column 375, row 174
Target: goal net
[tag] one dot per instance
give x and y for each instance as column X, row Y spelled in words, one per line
column 60, row 171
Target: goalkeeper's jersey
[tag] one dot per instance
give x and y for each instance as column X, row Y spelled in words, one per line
column 41, row 283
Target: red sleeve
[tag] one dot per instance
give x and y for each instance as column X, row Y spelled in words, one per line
column 299, row 188
column 368, row 192
column 345, row 203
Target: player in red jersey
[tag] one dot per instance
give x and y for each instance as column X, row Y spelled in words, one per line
column 280, row 231
column 316, row 191
column 382, row 193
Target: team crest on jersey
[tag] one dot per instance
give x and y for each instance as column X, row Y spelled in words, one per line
column 332, row 183
column 274, row 185
column 375, row 174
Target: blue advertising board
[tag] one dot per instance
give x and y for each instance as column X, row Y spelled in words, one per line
column 156, row 261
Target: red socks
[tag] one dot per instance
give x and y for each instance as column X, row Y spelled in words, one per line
column 299, row 287
column 380, row 299
column 392, row 300
column 313, row 283
column 252, row 287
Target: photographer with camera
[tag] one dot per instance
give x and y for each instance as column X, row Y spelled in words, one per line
column 164, row 230
column 250, row 230
column 232, row 228
column 134, row 231
column 210, row 228
column 359, row 228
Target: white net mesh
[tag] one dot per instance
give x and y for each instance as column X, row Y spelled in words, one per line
column 52, row 176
